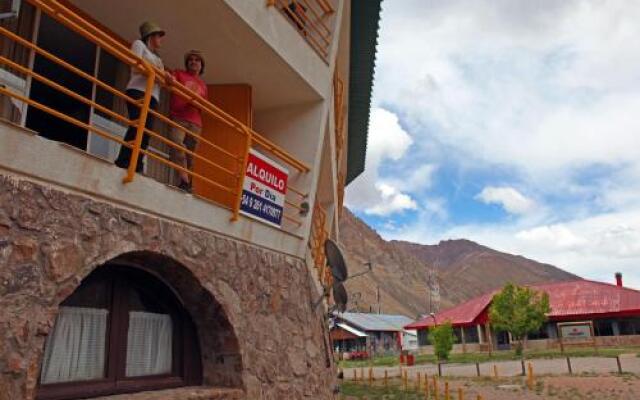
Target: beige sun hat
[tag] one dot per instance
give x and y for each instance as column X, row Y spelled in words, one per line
column 149, row 28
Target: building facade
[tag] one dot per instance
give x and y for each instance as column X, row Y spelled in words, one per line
column 113, row 281
column 370, row 333
column 601, row 314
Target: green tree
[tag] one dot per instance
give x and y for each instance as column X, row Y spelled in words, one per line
column 442, row 339
column 519, row 311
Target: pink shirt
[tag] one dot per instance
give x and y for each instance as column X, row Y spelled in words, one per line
column 180, row 107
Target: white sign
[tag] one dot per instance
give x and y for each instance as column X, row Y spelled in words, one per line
column 575, row 332
column 264, row 189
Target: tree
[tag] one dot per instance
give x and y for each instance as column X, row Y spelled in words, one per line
column 519, row 311
column 442, row 339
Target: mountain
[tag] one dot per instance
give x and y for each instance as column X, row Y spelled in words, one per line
column 458, row 270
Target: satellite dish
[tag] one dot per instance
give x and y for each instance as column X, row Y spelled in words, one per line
column 336, row 262
column 340, row 296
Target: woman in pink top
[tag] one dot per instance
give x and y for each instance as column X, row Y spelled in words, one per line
column 186, row 115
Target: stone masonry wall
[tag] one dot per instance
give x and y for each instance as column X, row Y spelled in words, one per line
column 251, row 306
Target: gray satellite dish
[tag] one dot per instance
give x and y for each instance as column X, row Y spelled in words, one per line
column 336, row 262
column 340, row 296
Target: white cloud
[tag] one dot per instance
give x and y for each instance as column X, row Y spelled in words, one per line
column 509, row 198
column 369, row 192
column 392, row 200
column 546, row 88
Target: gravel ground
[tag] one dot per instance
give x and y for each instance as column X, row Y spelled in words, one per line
column 575, row 387
column 558, row 366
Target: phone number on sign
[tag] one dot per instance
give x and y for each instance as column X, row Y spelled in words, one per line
column 261, row 207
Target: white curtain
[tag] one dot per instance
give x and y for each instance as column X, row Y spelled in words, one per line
column 74, row 350
column 149, row 344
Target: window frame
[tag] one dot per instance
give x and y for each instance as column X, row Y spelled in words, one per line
column 186, row 369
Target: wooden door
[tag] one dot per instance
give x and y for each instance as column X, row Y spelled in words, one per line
column 235, row 100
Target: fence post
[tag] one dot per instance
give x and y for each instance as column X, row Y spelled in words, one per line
column 142, row 121
column 385, row 378
column 460, row 394
column 530, row 376
column 619, row 364
column 426, row 388
column 569, row 365
column 478, row 368
column 436, row 390
column 403, row 377
column 439, row 369
column 370, row 376
column 495, row 371
column 418, row 382
column 355, row 375
column 522, row 366
column 447, row 395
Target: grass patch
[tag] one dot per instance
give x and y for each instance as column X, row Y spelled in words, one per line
column 471, row 358
column 391, row 392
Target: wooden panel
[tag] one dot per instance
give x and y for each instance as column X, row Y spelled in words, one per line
column 236, row 101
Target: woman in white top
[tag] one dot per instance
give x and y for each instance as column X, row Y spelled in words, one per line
column 147, row 48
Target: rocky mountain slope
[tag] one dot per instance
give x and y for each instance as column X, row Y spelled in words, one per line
column 458, row 270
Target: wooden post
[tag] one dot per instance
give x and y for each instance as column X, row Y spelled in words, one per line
column 418, row 382
column 406, row 380
column 524, row 372
column 478, row 368
column 464, row 342
column 426, row 388
column 386, row 377
column 479, row 397
column 495, row 371
column 355, row 375
column 489, row 338
column 447, row 395
column 436, row 391
column 460, row 394
column 439, row 369
column 569, row 366
column 370, row 376
column 619, row 365
column 530, row 376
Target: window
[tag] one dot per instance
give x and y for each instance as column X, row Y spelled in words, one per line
column 471, row 334
column 603, row 327
column 121, row 331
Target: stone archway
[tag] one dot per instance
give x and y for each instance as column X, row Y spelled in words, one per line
column 219, row 347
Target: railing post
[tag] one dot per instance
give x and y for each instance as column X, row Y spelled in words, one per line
column 241, row 168
column 142, row 122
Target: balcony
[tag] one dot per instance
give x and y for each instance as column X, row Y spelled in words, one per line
column 313, row 19
column 80, row 101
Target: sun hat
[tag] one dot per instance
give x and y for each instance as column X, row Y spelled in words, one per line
column 149, row 28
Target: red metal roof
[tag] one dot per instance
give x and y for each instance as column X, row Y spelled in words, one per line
column 574, row 299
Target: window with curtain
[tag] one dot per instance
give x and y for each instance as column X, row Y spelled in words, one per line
column 122, row 330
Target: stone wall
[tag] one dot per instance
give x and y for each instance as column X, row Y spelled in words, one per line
column 251, row 306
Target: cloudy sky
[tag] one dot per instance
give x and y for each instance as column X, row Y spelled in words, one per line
column 512, row 123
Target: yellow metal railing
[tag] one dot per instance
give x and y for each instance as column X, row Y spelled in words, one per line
column 311, row 19
column 107, row 42
column 319, row 234
column 339, row 117
column 341, row 182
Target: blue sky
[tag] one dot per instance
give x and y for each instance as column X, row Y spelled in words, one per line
column 510, row 123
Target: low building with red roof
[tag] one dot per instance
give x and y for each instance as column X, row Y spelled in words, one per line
column 611, row 311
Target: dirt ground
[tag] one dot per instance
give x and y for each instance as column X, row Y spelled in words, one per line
column 577, row 387
column 610, row 387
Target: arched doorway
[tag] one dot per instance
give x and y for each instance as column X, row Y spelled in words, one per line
column 128, row 328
